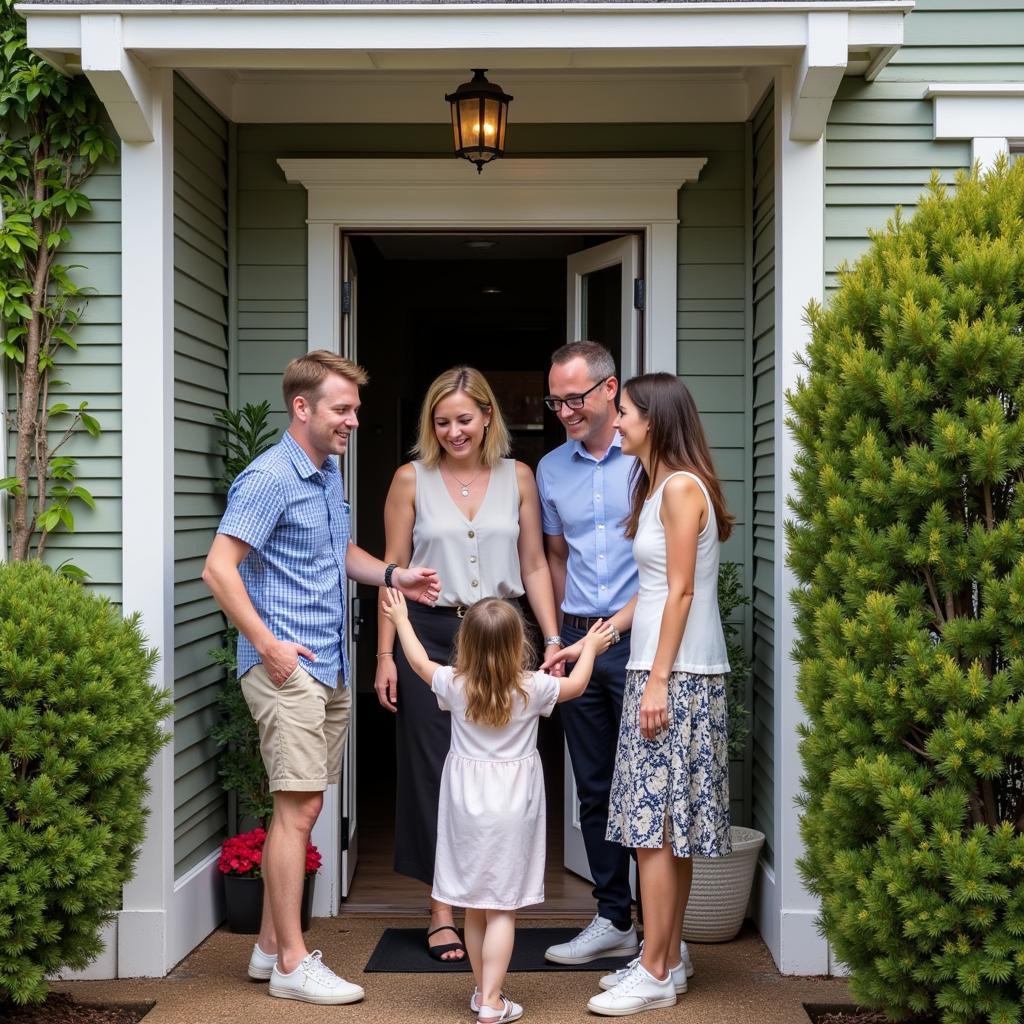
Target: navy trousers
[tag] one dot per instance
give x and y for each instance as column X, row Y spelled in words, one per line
column 591, row 724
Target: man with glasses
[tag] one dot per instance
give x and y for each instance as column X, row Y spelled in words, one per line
column 584, row 494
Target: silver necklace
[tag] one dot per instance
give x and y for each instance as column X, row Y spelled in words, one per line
column 464, row 485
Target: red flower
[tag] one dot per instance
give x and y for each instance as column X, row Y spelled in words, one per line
column 242, row 855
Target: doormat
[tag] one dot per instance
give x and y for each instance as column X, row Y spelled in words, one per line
column 404, row 951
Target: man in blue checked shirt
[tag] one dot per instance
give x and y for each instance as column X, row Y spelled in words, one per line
column 278, row 568
column 584, row 496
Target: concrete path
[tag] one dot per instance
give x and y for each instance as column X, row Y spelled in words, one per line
column 735, row 983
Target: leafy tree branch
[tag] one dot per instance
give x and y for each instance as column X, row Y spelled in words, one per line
column 51, row 139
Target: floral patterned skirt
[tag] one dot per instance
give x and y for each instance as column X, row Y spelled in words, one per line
column 681, row 775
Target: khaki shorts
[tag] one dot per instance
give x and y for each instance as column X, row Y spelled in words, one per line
column 303, row 725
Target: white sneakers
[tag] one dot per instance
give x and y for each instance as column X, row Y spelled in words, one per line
column 313, row 982
column 261, row 965
column 509, row 1011
column 679, row 973
column 637, row 991
column 599, row 939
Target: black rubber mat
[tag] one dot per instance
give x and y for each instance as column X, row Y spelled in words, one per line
column 404, row 951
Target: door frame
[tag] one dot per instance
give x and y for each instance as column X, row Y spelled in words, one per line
column 600, row 196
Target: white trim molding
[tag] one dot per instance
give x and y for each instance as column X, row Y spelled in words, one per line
column 989, row 115
column 788, row 912
column 147, row 454
column 822, row 42
column 599, row 195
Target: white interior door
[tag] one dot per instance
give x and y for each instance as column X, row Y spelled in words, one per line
column 349, row 824
column 603, row 295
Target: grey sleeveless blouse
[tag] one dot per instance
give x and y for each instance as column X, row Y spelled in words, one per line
column 476, row 557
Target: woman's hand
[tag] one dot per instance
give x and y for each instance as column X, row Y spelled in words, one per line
column 654, row 708
column 385, row 683
column 555, row 657
column 418, row 584
column 598, row 638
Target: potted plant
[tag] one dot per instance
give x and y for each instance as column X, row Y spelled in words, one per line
column 240, row 861
column 721, row 885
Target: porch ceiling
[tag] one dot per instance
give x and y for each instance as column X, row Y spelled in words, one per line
column 116, row 46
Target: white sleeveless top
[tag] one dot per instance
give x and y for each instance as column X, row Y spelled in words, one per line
column 702, row 651
column 476, row 557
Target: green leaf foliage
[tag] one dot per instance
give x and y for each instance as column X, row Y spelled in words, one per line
column 52, row 137
column 80, row 723
column 731, row 597
column 908, row 545
column 239, row 762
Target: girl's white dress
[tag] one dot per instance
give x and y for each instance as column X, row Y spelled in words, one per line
column 490, row 818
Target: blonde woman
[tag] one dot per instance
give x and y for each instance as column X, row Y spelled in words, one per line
column 465, row 508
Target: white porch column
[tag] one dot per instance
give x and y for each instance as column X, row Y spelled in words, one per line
column 147, row 358
column 799, row 277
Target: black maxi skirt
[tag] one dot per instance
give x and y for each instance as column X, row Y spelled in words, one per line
column 424, row 735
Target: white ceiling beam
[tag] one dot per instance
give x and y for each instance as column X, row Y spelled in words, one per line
column 212, row 34
column 821, row 69
column 121, row 81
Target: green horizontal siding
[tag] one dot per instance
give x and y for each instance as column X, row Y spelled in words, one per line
column 93, row 374
column 879, row 151
column 200, row 389
column 763, row 473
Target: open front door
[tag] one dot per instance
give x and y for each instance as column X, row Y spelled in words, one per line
column 605, row 304
column 349, row 825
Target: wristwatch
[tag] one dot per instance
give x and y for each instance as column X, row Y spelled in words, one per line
column 388, row 573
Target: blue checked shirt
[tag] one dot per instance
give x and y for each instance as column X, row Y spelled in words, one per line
column 296, row 520
column 585, row 500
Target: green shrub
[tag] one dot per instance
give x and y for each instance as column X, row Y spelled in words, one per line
column 731, row 597
column 908, row 546
column 79, row 726
column 247, row 435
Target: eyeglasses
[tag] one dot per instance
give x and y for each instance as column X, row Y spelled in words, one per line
column 573, row 401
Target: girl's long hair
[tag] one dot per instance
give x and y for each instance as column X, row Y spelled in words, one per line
column 677, row 441
column 492, row 656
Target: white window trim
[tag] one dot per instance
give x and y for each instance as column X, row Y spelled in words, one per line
column 991, row 116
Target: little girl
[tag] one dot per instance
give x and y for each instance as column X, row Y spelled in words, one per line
column 490, row 819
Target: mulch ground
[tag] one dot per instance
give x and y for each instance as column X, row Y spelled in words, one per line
column 854, row 1016
column 60, row 1008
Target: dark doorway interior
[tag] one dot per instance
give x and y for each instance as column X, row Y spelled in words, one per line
column 426, row 303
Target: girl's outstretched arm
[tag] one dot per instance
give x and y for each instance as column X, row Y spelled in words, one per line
column 394, row 607
column 596, row 642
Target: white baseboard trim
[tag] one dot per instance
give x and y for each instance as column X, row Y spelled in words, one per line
column 104, row 967
column 197, row 908
column 766, row 908
column 142, row 943
column 803, row 949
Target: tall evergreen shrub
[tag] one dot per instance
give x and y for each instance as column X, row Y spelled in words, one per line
column 908, row 545
column 79, row 727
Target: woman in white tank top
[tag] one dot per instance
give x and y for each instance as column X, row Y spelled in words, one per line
column 670, row 789
column 473, row 514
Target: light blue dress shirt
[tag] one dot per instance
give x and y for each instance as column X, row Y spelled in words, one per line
column 586, row 500
column 295, row 518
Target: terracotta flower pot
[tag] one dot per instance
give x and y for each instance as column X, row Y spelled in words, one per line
column 243, row 903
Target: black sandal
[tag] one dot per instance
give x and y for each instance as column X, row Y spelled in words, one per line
column 438, row 952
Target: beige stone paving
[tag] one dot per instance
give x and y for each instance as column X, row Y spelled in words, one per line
column 735, row 983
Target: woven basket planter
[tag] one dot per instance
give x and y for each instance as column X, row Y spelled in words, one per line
column 721, row 889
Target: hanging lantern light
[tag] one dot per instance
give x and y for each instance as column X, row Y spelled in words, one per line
column 479, row 119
